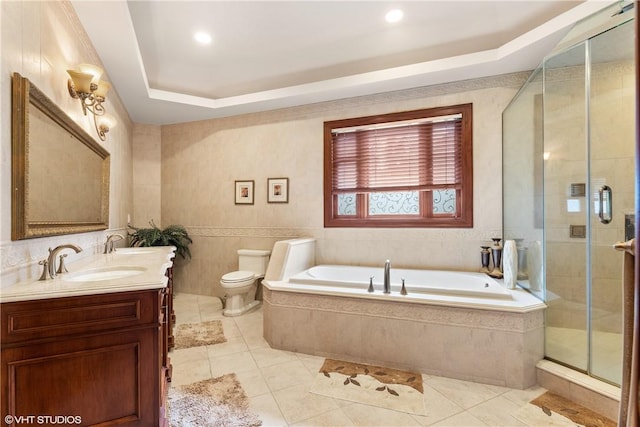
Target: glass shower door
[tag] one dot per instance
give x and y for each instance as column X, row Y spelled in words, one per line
column 612, row 164
column 589, row 111
column 565, row 207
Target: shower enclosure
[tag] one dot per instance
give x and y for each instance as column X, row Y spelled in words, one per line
column 568, row 174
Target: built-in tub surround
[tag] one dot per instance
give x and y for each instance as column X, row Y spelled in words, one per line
column 485, row 339
column 125, row 269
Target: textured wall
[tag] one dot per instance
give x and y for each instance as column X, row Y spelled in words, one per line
column 146, row 175
column 201, row 161
column 41, row 40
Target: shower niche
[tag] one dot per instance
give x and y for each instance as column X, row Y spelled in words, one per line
column 568, row 166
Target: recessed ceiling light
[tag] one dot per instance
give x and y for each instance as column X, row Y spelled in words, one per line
column 202, row 37
column 394, row 15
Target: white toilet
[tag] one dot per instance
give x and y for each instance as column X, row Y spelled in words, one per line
column 240, row 286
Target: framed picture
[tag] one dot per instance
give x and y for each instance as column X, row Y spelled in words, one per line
column 278, row 190
column 244, row 192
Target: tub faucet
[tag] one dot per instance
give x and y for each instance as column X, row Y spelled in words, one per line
column 387, row 277
column 53, row 253
column 108, row 246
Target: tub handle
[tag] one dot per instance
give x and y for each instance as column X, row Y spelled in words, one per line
column 370, row 284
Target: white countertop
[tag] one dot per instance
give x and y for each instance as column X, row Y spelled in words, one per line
column 152, row 263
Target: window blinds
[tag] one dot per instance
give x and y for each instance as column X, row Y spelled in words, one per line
column 412, row 156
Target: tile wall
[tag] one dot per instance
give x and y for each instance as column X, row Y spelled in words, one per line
column 41, row 40
column 201, row 161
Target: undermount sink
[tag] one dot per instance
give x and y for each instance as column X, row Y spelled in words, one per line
column 104, row 273
column 133, row 251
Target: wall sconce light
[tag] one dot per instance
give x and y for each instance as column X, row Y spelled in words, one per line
column 85, row 85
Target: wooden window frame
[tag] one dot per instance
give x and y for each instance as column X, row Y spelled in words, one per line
column 464, row 194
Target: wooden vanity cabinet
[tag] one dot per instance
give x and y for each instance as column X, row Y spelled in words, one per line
column 102, row 358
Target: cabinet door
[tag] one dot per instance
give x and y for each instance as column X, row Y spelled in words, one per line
column 97, row 357
column 107, row 379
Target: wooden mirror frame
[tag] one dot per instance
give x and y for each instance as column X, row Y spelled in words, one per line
column 25, row 95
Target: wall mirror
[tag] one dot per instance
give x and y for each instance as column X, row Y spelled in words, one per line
column 60, row 174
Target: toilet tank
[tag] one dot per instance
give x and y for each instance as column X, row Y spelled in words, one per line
column 253, row 260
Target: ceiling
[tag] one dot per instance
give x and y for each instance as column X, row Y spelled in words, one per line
column 273, row 54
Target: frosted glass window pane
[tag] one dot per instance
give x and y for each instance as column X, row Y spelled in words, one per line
column 394, row 203
column 444, row 201
column 347, row 204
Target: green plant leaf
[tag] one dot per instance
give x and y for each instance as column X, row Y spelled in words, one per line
column 173, row 235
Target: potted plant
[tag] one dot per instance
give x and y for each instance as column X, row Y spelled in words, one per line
column 172, row 235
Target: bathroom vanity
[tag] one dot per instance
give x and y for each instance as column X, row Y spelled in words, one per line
column 90, row 345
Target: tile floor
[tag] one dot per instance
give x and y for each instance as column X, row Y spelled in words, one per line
column 277, row 382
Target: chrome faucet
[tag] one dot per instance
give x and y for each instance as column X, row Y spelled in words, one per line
column 53, row 253
column 108, row 245
column 387, row 277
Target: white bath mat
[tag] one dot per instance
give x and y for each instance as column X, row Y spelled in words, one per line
column 372, row 385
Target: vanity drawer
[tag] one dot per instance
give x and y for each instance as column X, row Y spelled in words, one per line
column 57, row 317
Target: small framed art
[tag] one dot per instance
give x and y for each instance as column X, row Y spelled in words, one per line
column 278, row 190
column 244, row 192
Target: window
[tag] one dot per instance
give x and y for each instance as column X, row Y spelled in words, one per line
column 409, row 169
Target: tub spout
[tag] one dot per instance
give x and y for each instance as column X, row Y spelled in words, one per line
column 387, row 277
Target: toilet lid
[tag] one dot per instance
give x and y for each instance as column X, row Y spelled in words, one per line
column 237, row 276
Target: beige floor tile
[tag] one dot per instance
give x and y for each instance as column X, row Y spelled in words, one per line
column 312, row 363
column 190, row 372
column 189, row 355
column 464, row 419
column 297, row 404
column 437, row 407
column 287, row 374
column 187, row 315
column 497, row 412
column 265, row 356
column 266, row 407
column 229, row 363
column 255, row 340
column 229, row 328
column 365, row 415
column 278, row 382
column 463, row 393
column 522, row 397
column 332, row 418
column 250, row 321
column 180, row 297
column 253, row 382
column 210, row 308
column 206, row 315
column 233, row 345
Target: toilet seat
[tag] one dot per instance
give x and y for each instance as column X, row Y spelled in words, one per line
column 237, row 279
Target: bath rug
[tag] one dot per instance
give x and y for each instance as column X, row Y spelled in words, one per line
column 550, row 409
column 197, row 334
column 372, row 385
column 214, row 402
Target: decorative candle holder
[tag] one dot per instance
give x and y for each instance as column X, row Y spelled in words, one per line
column 496, row 251
column 485, row 258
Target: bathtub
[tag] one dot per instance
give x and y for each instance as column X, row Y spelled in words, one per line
column 417, row 282
column 462, row 325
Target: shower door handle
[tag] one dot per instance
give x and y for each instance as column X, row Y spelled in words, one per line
column 605, row 209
